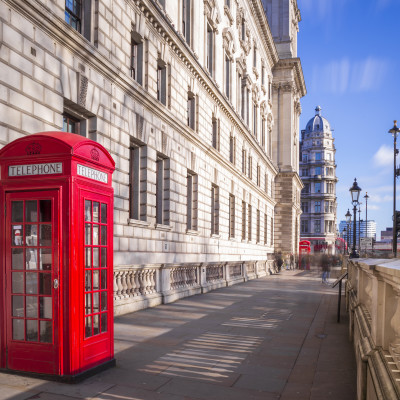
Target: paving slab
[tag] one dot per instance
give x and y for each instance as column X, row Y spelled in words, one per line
column 269, row 338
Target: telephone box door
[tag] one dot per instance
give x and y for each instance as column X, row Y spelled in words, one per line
column 32, row 281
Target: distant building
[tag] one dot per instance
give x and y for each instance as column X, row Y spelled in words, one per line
column 366, row 230
column 387, row 235
column 318, row 172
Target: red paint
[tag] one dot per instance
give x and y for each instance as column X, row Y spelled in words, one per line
column 304, row 251
column 56, row 242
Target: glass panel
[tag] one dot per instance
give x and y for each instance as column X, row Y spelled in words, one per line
column 95, row 257
column 31, row 235
column 104, row 235
column 103, row 301
column 17, row 258
column 103, row 257
column 88, row 281
column 103, row 213
column 88, row 210
column 45, row 210
column 104, row 322
column 88, row 303
column 46, row 331
column 31, row 330
column 45, row 235
column 18, row 282
column 88, row 327
column 31, row 259
column 31, row 283
column 96, row 325
column 45, row 307
column 96, row 280
column 96, row 302
column 18, row 329
column 103, row 281
column 18, row 306
column 17, row 211
column 31, row 211
column 45, row 283
column 88, row 234
column 45, row 259
column 88, row 257
column 96, row 209
column 16, row 235
column 95, row 234
column 31, row 307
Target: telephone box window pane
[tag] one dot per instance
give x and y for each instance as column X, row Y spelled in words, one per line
column 103, row 279
column 31, row 283
column 31, row 211
column 96, row 209
column 31, row 235
column 16, row 235
column 45, row 235
column 96, row 325
column 45, row 283
column 88, row 303
column 104, row 235
column 104, row 322
column 88, row 210
column 45, row 307
column 18, row 282
column 18, row 329
column 45, row 259
column 18, row 306
column 17, row 259
column 88, row 234
column 45, row 210
column 88, row 327
column 88, row 257
column 96, row 234
column 31, row 259
column 31, row 306
column 96, row 302
column 88, row 281
column 46, row 331
column 103, row 257
column 103, row 213
column 95, row 280
column 17, row 211
column 32, row 330
column 95, row 257
column 103, row 301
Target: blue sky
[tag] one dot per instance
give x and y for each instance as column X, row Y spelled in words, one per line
column 350, row 53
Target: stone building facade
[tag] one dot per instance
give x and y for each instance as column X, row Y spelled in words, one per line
column 197, row 101
column 318, row 173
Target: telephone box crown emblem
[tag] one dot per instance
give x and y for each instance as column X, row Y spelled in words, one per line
column 33, row 148
column 95, row 154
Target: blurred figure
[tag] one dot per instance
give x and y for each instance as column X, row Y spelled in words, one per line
column 291, row 261
column 325, row 266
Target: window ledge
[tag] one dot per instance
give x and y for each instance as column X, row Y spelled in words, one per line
column 162, row 227
column 215, row 235
column 138, row 222
column 192, row 232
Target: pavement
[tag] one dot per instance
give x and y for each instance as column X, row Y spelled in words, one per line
column 269, row 338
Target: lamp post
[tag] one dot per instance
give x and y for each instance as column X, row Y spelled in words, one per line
column 394, row 131
column 366, row 197
column 344, row 238
column 348, row 220
column 359, row 227
column 355, row 194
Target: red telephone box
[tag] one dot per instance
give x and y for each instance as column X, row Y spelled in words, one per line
column 304, row 254
column 56, row 242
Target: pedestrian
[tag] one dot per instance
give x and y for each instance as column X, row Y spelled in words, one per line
column 291, row 261
column 279, row 261
column 324, row 263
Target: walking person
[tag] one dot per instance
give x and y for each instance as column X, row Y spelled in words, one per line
column 291, row 261
column 324, row 263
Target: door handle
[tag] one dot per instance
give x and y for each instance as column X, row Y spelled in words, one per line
column 55, row 284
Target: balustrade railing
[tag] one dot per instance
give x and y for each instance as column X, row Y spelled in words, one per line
column 214, row 272
column 183, row 277
column 131, row 282
column 235, row 270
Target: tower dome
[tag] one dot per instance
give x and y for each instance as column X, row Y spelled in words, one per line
column 318, row 123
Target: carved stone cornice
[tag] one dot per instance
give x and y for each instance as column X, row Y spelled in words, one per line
column 212, row 13
column 295, row 65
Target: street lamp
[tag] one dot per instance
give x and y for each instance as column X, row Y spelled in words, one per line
column 359, row 227
column 355, row 194
column 394, row 131
column 344, row 238
column 366, row 197
column 348, row 221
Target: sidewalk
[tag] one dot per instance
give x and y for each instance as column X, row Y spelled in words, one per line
column 271, row 338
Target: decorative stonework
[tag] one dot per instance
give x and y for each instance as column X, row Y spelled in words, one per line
column 212, row 13
column 33, row 148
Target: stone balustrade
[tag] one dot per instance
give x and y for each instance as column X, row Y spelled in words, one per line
column 373, row 301
column 139, row 287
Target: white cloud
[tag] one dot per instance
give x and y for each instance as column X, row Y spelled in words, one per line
column 321, row 10
column 384, row 156
column 373, row 207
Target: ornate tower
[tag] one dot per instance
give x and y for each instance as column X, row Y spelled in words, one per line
column 318, row 173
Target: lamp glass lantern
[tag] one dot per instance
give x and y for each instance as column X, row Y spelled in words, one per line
column 355, row 192
column 348, row 216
